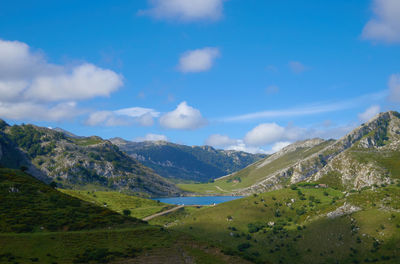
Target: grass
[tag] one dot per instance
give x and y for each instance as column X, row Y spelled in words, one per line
column 30, row 205
column 103, row 246
column 271, row 228
column 86, row 141
column 253, row 173
column 139, row 207
column 39, row 224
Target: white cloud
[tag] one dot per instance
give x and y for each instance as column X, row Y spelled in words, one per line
column 37, row 112
column 218, row 140
column 394, row 88
column 270, row 138
column 32, row 88
column 107, row 118
column 123, row 117
column 183, row 117
column 279, row 145
column 317, row 108
column 241, row 146
column 225, row 142
column 84, row 82
column 184, row 10
column 198, row 60
column 137, row 112
column 297, row 67
column 18, row 62
column 152, row 137
column 264, row 134
column 369, row 113
column 385, row 25
column 11, row 90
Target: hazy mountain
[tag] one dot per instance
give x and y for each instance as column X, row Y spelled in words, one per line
column 186, row 163
column 79, row 162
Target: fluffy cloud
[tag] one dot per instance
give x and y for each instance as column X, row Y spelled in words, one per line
column 297, row 67
column 152, row 137
column 123, row 117
column 264, row 134
column 83, row 82
column 394, row 88
column 37, row 112
column 198, row 60
column 35, row 89
column 183, row 117
column 225, row 142
column 369, row 113
column 279, row 145
column 184, row 10
column 385, row 25
column 270, row 137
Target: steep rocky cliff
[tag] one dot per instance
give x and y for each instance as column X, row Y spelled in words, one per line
column 84, row 162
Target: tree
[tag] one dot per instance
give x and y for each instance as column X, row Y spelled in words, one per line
column 126, row 212
column 53, row 184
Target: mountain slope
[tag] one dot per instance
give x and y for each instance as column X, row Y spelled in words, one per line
column 28, row 204
column 280, row 162
column 39, row 224
column 366, row 156
column 180, row 162
column 301, row 225
column 84, row 162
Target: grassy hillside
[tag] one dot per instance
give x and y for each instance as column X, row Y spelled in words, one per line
column 291, row 226
column 118, row 202
column 39, row 224
column 255, row 172
column 182, row 163
column 80, row 162
column 29, row 205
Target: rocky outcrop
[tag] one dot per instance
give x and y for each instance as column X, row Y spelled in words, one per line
column 360, row 158
column 75, row 162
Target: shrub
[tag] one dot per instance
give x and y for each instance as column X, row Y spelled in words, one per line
column 243, row 246
column 126, row 212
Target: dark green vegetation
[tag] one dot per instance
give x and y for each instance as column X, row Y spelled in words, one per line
column 291, row 225
column 39, row 224
column 138, row 207
column 28, row 205
column 78, row 162
column 185, row 163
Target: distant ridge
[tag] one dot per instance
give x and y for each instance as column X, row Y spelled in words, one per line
column 186, row 163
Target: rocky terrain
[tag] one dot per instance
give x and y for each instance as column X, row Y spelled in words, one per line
column 369, row 155
column 78, row 162
column 186, row 163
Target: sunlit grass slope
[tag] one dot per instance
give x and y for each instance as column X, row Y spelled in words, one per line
column 253, row 173
column 139, row 207
column 39, row 224
column 273, row 228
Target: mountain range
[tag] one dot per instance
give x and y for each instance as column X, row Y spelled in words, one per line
column 368, row 155
column 186, row 163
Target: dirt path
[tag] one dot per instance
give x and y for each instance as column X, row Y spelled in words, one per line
column 219, row 188
column 162, row 213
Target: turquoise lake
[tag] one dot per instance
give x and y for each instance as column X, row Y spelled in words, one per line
column 198, row 200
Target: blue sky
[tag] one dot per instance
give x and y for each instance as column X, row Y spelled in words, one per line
column 248, row 75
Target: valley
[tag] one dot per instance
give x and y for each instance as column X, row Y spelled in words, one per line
column 314, row 201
